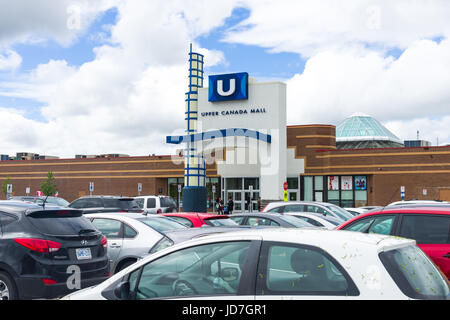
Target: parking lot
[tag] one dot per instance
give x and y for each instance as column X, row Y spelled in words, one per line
column 292, row 250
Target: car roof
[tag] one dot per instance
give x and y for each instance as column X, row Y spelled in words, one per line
column 202, row 215
column 18, row 207
column 318, row 237
column 261, row 214
column 314, row 214
column 129, row 215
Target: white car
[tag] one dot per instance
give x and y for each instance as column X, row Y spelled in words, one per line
column 156, row 204
column 316, row 219
column 279, row 263
column 327, row 209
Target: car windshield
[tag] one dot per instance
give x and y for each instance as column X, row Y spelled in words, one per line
column 221, row 222
column 53, row 200
column 340, row 212
column 162, row 224
column 298, row 223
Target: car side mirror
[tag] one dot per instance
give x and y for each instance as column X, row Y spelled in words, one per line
column 122, row 290
column 229, row 274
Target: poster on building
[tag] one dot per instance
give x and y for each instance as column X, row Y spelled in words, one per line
column 333, row 183
column 346, row 183
column 360, row 183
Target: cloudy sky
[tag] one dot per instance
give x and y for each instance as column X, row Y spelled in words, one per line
column 109, row 76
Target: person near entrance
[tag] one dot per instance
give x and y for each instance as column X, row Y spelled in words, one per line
column 230, row 205
column 248, row 200
column 219, row 205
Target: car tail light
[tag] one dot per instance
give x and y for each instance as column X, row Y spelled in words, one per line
column 49, row 281
column 159, row 211
column 38, row 245
column 104, row 242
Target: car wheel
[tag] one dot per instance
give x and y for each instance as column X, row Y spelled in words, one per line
column 7, row 287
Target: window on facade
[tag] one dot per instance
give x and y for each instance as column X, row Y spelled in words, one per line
column 308, row 192
column 234, row 183
column 292, row 183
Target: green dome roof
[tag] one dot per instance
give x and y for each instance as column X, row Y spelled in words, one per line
column 365, row 130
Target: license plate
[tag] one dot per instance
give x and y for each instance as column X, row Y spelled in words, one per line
column 83, row 254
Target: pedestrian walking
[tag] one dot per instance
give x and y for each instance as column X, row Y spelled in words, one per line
column 230, row 205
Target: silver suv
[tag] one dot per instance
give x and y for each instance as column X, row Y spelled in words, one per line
column 327, row 209
column 156, row 204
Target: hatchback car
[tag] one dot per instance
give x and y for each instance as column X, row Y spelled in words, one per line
column 327, row 209
column 429, row 226
column 95, row 204
column 268, row 220
column 156, row 204
column 316, row 219
column 197, row 219
column 41, row 247
column 132, row 236
column 276, row 263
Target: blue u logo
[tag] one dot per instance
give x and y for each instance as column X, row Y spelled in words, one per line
column 226, row 87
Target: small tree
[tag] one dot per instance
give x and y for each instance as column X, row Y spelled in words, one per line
column 5, row 186
column 48, row 187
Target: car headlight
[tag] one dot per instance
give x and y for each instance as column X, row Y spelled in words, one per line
column 161, row 244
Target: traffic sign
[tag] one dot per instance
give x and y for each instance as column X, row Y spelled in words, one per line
column 285, row 186
column 139, row 187
column 285, row 195
column 9, row 188
column 91, row 186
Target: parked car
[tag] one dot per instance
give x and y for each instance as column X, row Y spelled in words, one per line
column 429, row 226
column 96, row 204
column 132, row 236
column 327, row 209
column 316, row 219
column 40, row 246
column 197, row 219
column 356, row 211
column 50, row 199
column 275, row 263
column 156, row 204
column 259, row 219
column 417, row 202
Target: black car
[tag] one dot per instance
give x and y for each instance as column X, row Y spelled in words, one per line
column 98, row 204
column 48, row 251
column 260, row 219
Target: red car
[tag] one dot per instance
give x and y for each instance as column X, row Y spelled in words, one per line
column 429, row 226
column 196, row 219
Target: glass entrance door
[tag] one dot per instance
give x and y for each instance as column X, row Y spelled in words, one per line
column 239, row 189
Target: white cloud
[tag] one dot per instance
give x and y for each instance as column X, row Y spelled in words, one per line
column 309, row 27
column 334, row 85
column 34, row 21
column 9, row 60
column 131, row 95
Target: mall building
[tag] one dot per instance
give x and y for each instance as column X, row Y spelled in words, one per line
column 240, row 132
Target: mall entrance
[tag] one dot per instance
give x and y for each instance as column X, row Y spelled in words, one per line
column 244, row 192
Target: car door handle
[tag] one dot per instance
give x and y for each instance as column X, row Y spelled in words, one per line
column 446, row 255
